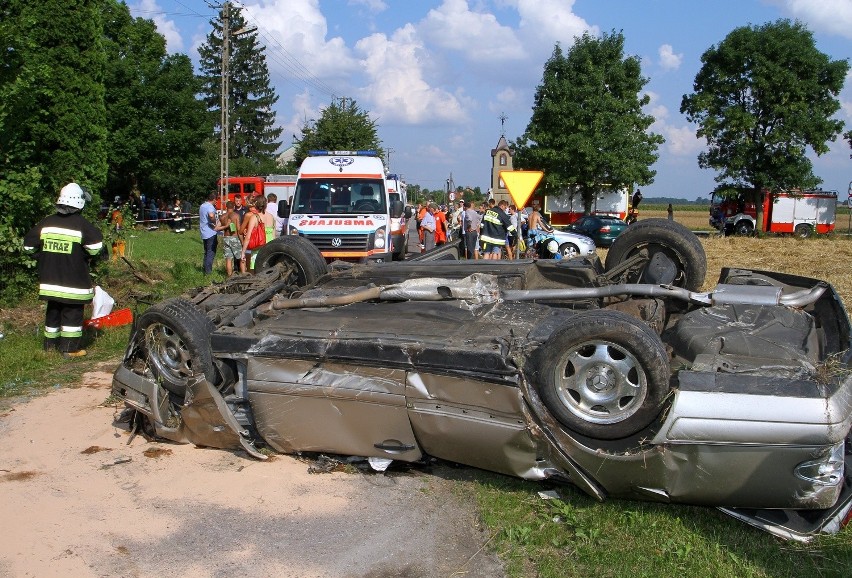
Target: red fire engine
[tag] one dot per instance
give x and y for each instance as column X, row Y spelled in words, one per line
column 282, row 185
column 800, row 212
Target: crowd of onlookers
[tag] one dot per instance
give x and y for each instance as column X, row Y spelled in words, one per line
column 489, row 230
column 153, row 212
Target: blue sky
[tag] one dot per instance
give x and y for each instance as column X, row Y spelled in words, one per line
column 436, row 75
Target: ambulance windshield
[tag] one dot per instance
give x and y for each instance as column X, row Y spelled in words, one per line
column 339, row 196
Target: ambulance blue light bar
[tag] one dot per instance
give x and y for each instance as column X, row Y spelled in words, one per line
column 366, row 153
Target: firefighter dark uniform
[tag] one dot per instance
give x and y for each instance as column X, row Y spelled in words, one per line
column 496, row 224
column 61, row 244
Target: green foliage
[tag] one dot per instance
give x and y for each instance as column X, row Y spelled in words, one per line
column 341, row 126
column 252, row 135
column 157, row 126
column 763, row 97
column 20, row 193
column 56, row 119
column 52, row 118
column 587, row 128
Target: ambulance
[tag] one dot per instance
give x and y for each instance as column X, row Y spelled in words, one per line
column 342, row 204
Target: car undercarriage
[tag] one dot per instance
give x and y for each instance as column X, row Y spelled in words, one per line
column 622, row 378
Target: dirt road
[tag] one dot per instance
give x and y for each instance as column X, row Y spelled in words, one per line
column 76, row 500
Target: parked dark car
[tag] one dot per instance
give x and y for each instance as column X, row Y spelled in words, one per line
column 622, row 378
column 602, row 229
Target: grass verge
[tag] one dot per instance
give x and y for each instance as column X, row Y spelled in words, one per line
column 577, row 536
column 159, row 264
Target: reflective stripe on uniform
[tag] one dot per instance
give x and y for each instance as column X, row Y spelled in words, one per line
column 486, row 239
column 59, row 291
column 94, row 248
column 71, row 331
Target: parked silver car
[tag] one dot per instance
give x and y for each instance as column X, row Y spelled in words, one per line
column 622, row 378
column 573, row 244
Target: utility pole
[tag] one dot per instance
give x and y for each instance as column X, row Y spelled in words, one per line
column 224, row 169
column 388, row 153
column 225, row 105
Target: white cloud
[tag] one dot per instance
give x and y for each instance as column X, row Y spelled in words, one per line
column 304, row 111
column 681, row 141
column 295, row 32
column 375, row 6
column 149, row 9
column 477, row 36
column 396, row 86
column 831, row 16
column 507, row 99
column 668, row 59
column 545, row 22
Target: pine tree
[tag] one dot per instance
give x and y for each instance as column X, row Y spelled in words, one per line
column 252, row 135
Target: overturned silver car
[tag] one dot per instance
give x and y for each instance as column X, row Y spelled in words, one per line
column 621, row 378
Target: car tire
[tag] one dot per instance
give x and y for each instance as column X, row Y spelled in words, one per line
column 803, row 230
column 744, row 228
column 175, row 340
column 297, row 252
column 676, row 256
column 605, row 376
column 569, row 250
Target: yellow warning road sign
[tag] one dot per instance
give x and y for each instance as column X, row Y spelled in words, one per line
column 521, row 184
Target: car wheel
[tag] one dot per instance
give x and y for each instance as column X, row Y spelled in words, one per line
column 744, row 228
column 175, row 340
column 803, row 230
column 569, row 250
column 301, row 255
column 605, row 376
column 675, row 255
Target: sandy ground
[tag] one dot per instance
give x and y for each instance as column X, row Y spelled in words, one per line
column 77, row 500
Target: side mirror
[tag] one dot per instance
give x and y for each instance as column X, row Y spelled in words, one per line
column 396, row 208
column 283, row 209
column 409, row 212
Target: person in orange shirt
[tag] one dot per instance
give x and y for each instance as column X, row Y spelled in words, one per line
column 440, row 226
column 421, row 212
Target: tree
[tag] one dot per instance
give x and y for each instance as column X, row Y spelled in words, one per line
column 252, row 135
column 52, row 115
column 157, row 126
column 762, row 97
column 341, row 126
column 587, row 130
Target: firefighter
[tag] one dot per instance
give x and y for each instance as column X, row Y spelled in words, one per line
column 62, row 244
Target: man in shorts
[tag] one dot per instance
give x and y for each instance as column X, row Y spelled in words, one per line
column 232, row 246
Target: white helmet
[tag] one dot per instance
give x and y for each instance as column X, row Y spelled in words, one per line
column 553, row 247
column 73, row 195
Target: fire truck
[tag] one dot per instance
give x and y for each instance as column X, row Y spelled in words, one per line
column 802, row 213
column 282, row 185
column 567, row 208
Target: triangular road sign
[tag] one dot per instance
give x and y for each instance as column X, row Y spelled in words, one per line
column 521, row 184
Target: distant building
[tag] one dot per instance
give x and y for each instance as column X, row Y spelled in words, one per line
column 286, row 156
column 501, row 160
